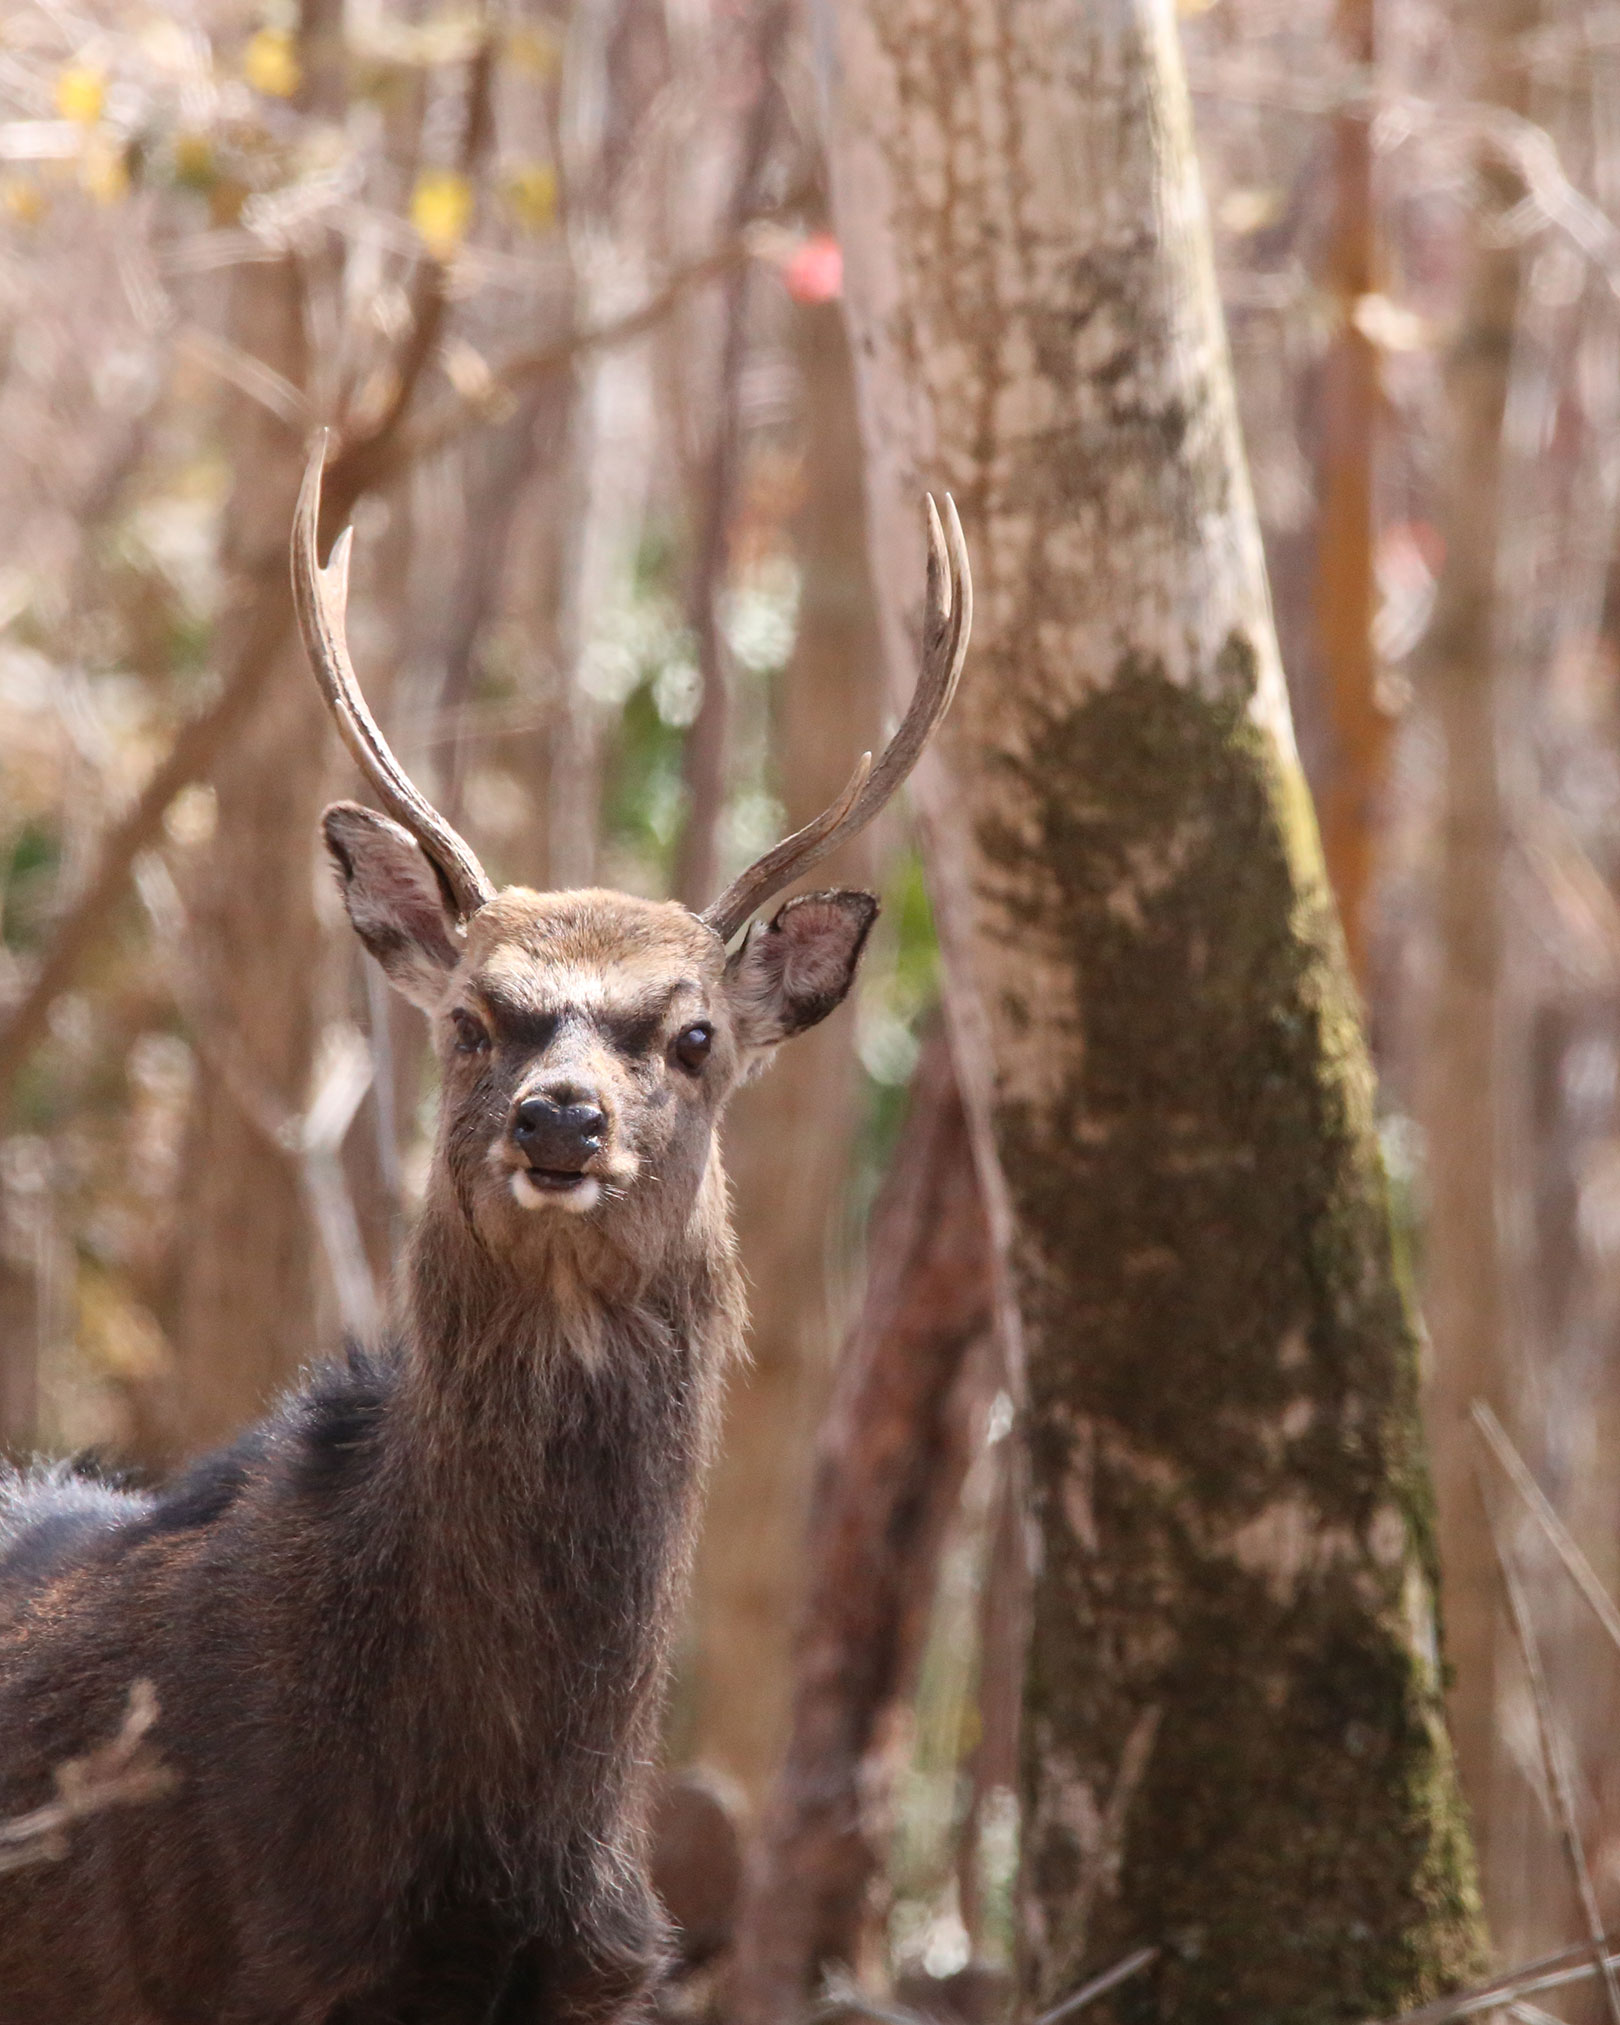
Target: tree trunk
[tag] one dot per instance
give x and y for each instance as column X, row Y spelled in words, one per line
column 1460, row 1090
column 1234, row 1744
column 1346, row 591
column 788, row 1136
column 883, row 1469
column 244, row 1304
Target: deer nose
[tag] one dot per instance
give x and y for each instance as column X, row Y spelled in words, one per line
column 560, row 1127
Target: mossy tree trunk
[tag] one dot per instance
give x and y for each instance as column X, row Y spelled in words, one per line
column 1234, row 1744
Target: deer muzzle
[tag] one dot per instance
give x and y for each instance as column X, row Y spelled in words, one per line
column 558, row 1133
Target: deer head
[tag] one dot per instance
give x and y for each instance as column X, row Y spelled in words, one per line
column 589, row 1039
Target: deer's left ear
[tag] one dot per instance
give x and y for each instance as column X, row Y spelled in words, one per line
column 791, row 972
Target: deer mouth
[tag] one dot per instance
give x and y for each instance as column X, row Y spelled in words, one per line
column 560, row 1188
column 557, row 1180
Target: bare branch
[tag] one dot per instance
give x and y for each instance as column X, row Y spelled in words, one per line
column 120, row 1773
column 1580, row 1570
column 946, row 628
column 436, row 431
column 314, row 1138
column 1548, row 1972
column 1554, row 1760
column 248, row 375
column 1099, row 1986
column 200, row 740
column 365, row 461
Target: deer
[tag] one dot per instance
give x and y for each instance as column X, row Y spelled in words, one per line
column 407, row 1638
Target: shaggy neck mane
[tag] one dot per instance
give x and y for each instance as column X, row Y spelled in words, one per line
column 541, row 1571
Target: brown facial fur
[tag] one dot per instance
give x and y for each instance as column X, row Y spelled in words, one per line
column 590, row 988
column 408, row 1636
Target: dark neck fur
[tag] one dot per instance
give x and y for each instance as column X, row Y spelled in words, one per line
column 538, row 1472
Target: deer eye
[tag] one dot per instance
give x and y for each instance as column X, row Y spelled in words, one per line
column 471, row 1039
column 692, row 1046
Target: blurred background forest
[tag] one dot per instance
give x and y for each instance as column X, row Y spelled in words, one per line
column 566, row 273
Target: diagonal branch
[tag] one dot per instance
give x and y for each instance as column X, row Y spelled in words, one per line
column 200, row 741
column 268, row 618
column 362, row 463
column 436, row 431
column 1548, row 1972
column 1559, row 1537
column 1554, row 1761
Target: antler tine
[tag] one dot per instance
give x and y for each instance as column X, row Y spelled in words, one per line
column 321, row 598
column 946, row 627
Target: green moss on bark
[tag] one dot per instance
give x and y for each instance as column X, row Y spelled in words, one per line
column 1234, row 1741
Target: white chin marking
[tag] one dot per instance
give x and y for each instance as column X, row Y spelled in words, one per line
column 576, row 1201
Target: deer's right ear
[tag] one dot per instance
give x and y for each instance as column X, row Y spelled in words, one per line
column 394, row 901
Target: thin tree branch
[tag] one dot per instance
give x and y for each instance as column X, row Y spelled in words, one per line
column 362, row 463
column 1548, row 1972
column 1580, row 1570
column 247, row 374
column 437, row 431
column 704, row 759
column 1559, row 1782
column 268, row 605
column 312, row 1139
column 1099, row 1986
column 203, row 737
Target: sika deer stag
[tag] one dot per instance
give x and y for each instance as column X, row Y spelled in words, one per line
column 408, row 1635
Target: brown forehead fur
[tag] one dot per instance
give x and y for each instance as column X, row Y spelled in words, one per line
column 629, row 942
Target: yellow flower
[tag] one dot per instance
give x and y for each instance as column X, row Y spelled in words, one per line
column 531, row 194
column 270, row 63
column 441, row 210
column 80, row 94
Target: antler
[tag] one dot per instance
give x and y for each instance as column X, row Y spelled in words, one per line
column 321, row 598
column 945, row 641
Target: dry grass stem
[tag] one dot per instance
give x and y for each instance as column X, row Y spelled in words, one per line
column 1559, row 1782
column 1580, row 1570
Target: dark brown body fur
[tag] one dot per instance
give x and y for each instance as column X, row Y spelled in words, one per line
column 406, row 1639
column 408, row 1636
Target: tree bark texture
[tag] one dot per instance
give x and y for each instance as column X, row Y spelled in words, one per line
column 245, row 1299
column 788, row 1136
column 885, row 1456
column 1233, row 1742
column 245, row 1294
column 1460, row 1097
